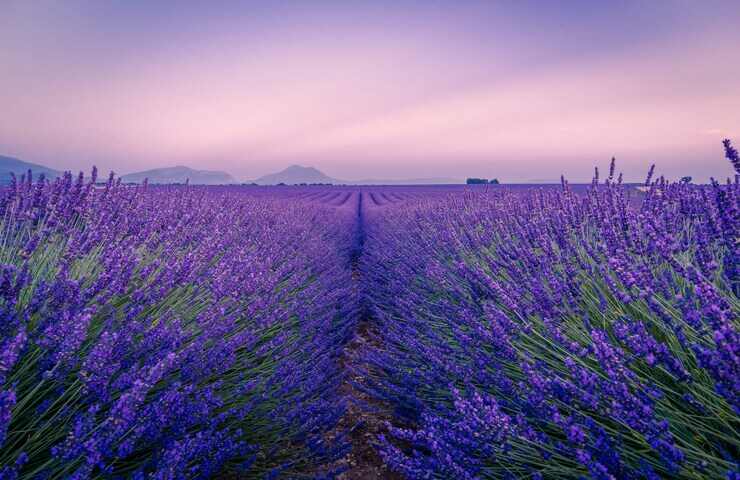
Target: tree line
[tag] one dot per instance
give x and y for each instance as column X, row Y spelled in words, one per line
column 479, row 181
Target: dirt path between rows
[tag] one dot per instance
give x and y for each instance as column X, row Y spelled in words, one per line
column 365, row 417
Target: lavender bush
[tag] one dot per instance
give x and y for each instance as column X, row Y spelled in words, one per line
column 549, row 334
column 514, row 332
column 168, row 332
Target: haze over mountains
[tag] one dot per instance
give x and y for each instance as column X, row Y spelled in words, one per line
column 180, row 174
column 295, row 174
column 14, row 165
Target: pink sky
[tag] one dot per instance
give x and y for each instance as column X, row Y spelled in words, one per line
column 404, row 89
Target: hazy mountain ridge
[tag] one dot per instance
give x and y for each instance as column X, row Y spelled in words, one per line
column 180, row 174
column 14, row 165
column 292, row 175
column 297, row 174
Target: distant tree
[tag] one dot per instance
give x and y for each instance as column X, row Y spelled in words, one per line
column 281, row 184
column 494, row 181
column 476, row 181
column 686, row 179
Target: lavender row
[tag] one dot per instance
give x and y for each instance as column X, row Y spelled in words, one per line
column 169, row 332
column 553, row 333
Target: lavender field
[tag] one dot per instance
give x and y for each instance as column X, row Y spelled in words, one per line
column 369, row 332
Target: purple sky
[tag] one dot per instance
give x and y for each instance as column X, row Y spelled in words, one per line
column 519, row 90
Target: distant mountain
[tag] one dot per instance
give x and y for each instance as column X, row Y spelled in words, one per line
column 179, row 174
column 296, row 174
column 10, row 165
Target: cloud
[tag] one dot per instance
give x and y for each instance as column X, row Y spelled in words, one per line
column 626, row 104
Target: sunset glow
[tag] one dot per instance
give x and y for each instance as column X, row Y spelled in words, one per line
column 372, row 89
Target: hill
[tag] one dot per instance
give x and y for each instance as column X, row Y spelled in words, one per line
column 296, row 174
column 179, row 174
column 10, row 165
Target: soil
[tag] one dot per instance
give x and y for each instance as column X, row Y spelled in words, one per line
column 365, row 417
